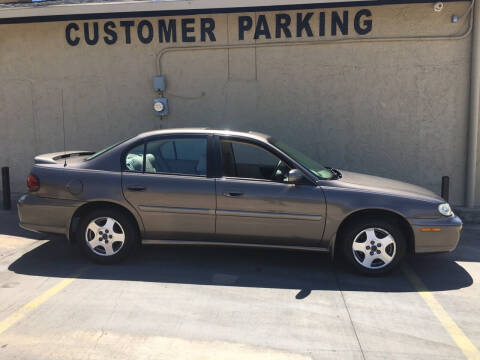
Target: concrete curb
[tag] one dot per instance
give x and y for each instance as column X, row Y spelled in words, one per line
column 15, row 196
column 468, row 215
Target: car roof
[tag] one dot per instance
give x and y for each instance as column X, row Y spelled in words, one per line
column 225, row 132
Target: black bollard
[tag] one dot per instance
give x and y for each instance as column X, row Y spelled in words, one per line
column 7, row 201
column 445, row 187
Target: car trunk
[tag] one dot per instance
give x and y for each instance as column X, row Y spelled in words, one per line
column 62, row 157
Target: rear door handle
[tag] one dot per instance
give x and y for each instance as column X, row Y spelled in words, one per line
column 136, row 188
column 232, row 193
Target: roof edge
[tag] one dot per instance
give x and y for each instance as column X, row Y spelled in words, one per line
column 80, row 10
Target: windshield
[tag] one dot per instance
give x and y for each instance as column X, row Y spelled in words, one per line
column 304, row 160
column 98, row 153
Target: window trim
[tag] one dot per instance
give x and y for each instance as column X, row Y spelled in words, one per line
column 174, row 174
column 254, row 179
column 207, row 137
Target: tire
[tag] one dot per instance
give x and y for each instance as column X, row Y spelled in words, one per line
column 106, row 236
column 368, row 258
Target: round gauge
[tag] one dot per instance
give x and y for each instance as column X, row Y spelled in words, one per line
column 158, row 106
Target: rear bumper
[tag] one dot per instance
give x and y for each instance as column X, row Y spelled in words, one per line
column 45, row 214
column 436, row 235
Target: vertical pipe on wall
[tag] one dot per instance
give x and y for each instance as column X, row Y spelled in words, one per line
column 472, row 136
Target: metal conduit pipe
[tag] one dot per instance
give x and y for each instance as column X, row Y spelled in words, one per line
column 472, row 135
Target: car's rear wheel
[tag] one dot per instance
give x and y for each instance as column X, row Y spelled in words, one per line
column 374, row 246
column 106, row 235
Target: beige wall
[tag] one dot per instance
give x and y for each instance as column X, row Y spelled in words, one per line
column 391, row 108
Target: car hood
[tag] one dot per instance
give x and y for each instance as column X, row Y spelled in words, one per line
column 379, row 184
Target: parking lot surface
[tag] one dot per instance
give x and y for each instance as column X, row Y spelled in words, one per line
column 184, row 302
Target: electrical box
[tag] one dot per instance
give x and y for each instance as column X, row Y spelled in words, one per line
column 160, row 106
column 159, row 83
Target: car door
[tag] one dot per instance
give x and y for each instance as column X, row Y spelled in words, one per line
column 167, row 180
column 255, row 204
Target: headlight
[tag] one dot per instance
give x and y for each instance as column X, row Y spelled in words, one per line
column 445, row 209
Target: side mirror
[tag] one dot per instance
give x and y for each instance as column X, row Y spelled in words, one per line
column 294, row 176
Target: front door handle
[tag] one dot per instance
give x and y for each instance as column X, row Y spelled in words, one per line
column 136, row 188
column 232, row 193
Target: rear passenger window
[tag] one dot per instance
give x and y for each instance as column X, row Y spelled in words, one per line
column 182, row 155
column 168, row 150
column 186, row 149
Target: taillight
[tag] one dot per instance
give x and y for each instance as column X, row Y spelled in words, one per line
column 33, row 184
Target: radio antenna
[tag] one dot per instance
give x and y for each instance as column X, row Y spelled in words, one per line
column 64, row 142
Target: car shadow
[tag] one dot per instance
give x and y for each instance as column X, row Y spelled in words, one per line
column 9, row 225
column 243, row 267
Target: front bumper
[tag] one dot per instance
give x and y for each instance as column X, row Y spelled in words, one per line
column 45, row 214
column 436, row 235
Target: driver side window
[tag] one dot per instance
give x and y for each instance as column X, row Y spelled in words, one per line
column 245, row 160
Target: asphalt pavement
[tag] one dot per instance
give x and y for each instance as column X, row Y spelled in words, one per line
column 186, row 302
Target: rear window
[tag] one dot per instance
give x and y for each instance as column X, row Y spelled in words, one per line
column 103, row 151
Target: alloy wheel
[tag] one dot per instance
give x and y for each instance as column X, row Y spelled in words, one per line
column 374, row 248
column 105, row 236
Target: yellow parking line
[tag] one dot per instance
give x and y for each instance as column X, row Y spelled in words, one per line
column 32, row 305
column 462, row 341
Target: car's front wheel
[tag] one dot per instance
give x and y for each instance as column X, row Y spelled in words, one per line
column 374, row 246
column 106, row 235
